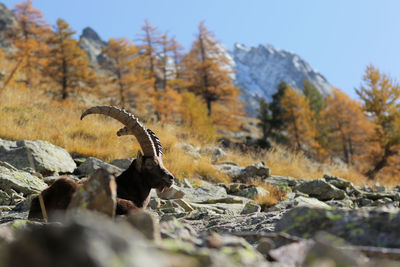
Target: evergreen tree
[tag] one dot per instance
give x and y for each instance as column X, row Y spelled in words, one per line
column 315, row 98
column 264, row 115
column 67, row 63
column 380, row 96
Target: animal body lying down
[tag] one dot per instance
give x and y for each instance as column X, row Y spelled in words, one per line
column 133, row 185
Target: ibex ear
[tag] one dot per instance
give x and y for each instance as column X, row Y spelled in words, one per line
column 139, row 160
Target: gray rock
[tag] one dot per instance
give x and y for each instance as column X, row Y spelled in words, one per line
column 146, row 223
column 301, row 201
column 92, row 164
column 84, row 240
column 98, row 194
column 337, row 182
column 250, row 208
column 344, row 203
column 154, row 203
column 257, row 171
column 173, row 192
column 10, row 198
column 216, row 153
column 364, row 227
column 252, row 192
column 20, row 181
column 321, row 190
column 204, row 193
column 122, row 163
column 190, row 150
column 282, row 181
column 41, row 156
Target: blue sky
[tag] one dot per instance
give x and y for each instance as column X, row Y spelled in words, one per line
column 339, row 38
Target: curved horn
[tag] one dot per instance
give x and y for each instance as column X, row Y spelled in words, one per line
column 130, row 121
column 153, row 136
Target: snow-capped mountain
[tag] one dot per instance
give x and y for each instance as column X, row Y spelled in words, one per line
column 258, row 70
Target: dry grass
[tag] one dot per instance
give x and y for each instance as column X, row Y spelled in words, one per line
column 275, row 195
column 34, row 115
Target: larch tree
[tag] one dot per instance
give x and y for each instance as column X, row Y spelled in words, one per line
column 149, row 49
column 347, row 126
column 68, row 65
column 298, row 121
column 264, row 115
column 206, row 67
column 121, row 64
column 380, row 96
column 29, row 41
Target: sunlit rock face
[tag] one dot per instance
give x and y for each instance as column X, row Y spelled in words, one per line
column 258, row 71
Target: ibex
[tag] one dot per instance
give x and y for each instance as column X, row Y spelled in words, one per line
column 133, row 185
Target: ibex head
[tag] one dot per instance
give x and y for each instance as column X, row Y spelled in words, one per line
column 149, row 165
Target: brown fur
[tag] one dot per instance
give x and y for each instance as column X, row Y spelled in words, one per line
column 133, row 188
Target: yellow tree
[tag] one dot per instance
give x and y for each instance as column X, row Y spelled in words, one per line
column 68, row 65
column 347, row 126
column 297, row 117
column 121, row 64
column 28, row 40
column 149, row 48
column 380, row 96
column 207, row 71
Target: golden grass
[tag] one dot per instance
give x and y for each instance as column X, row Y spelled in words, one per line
column 34, row 115
column 275, row 195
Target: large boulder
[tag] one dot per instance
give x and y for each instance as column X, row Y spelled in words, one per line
column 321, row 190
column 41, row 156
column 12, row 179
column 364, row 227
column 92, row 164
column 99, row 194
column 84, row 240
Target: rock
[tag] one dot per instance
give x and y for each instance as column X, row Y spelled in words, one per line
column 344, row 203
column 190, row 150
column 251, row 208
column 256, row 171
column 203, row 193
column 84, row 240
column 20, row 181
column 154, row 203
column 122, row 163
column 292, row 254
column 146, row 223
column 92, row 164
column 321, row 190
column 99, row 194
column 176, row 230
column 337, row 182
column 232, row 171
column 13, row 198
column 301, row 201
column 216, row 153
column 252, row 192
column 41, row 156
column 264, row 246
column 183, row 204
column 227, row 200
column 282, row 182
column 173, row 192
column 324, row 250
column 363, row 227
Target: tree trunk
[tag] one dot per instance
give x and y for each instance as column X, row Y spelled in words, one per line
column 380, row 164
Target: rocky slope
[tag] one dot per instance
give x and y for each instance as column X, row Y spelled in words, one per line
column 320, row 221
column 7, row 22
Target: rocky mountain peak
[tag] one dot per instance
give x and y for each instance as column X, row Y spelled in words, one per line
column 260, row 69
column 92, row 44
